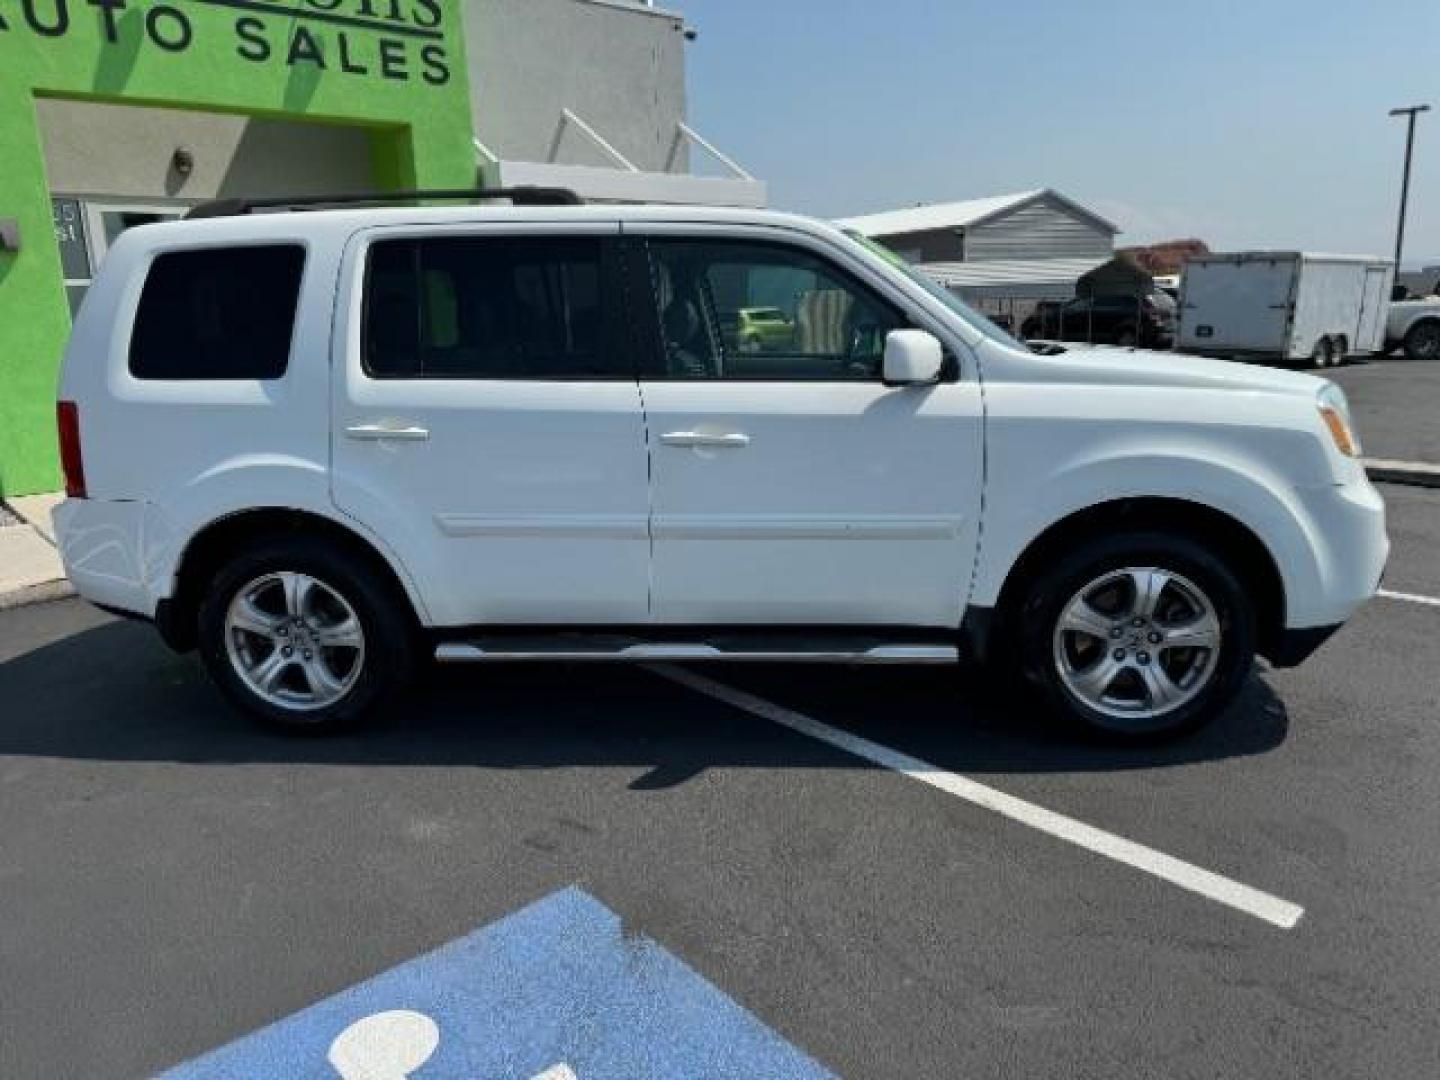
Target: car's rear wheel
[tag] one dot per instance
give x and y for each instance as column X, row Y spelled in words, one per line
column 1422, row 342
column 305, row 636
column 1139, row 636
column 1323, row 353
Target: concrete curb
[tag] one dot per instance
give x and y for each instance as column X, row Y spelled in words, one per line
column 36, row 594
column 1412, row 473
column 31, row 571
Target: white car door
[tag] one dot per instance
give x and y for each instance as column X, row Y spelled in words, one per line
column 487, row 423
column 789, row 484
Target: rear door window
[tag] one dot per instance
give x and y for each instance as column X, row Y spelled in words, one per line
column 218, row 313
column 489, row 307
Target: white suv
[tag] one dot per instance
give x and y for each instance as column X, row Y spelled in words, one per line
column 322, row 446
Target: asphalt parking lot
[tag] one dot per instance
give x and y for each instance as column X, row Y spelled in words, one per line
column 1394, row 404
column 172, row 879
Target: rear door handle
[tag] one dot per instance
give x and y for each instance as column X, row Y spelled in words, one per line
column 733, row 439
column 409, row 433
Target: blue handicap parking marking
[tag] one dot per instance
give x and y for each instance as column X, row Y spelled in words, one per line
column 555, row 991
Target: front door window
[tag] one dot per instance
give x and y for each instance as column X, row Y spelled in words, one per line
column 752, row 311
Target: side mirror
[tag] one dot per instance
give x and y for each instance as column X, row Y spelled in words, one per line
column 912, row 358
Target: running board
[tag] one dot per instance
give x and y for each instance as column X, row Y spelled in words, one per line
column 569, row 652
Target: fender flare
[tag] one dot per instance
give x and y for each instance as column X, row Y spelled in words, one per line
column 226, row 492
column 1254, row 502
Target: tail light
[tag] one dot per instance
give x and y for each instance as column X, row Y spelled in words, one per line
column 72, row 461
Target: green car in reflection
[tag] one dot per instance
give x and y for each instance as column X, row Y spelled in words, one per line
column 764, row 329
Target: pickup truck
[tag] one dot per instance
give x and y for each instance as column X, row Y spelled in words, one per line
column 1414, row 325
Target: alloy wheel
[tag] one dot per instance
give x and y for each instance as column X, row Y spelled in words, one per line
column 1137, row 644
column 294, row 641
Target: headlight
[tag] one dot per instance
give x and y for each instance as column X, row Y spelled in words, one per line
column 1335, row 411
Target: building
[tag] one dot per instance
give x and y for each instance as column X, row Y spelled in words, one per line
column 115, row 114
column 590, row 95
column 1003, row 253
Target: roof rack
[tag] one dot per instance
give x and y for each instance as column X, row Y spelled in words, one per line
column 518, row 196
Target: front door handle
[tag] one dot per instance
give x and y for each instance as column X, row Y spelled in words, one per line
column 388, row 431
column 733, row 439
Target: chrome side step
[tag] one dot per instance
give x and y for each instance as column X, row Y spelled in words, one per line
column 500, row 652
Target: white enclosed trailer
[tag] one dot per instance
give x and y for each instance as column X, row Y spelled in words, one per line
column 1284, row 305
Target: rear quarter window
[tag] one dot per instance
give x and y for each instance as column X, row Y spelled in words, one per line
column 218, row 313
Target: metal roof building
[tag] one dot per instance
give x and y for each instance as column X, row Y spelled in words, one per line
column 1030, row 245
column 1034, row 278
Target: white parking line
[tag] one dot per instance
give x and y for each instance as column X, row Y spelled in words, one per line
column 1410, row 597
column 1262, row 905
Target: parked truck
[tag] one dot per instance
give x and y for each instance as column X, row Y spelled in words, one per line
column 1414, row 326
column 1288, row 307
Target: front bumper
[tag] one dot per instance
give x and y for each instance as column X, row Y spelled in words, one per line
column 1350, row 548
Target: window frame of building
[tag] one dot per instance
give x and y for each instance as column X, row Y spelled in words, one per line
column 89, row 222
column 96, row 209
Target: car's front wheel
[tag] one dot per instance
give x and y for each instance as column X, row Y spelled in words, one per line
column 1422, row 342
column 1140, row 636
column 304, row 636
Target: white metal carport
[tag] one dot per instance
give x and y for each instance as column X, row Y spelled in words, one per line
column 1008, row 290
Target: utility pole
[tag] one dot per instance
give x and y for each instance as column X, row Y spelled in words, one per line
column 1410, row 113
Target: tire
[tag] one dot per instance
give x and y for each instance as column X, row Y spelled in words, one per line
column 1063, row 662
column 1422, row 341
column 335, row 676
column 1322, row 354
column 1127, row 338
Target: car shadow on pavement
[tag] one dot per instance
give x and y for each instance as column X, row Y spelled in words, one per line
column 114, row 692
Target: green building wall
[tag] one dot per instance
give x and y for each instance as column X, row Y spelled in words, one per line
column 396, row 67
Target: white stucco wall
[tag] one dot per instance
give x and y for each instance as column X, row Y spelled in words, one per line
column 125, row 151
column 620, row 66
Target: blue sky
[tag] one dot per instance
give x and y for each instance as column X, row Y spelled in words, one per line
column 1259, row 124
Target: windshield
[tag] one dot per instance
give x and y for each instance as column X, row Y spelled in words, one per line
column 972, row 317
